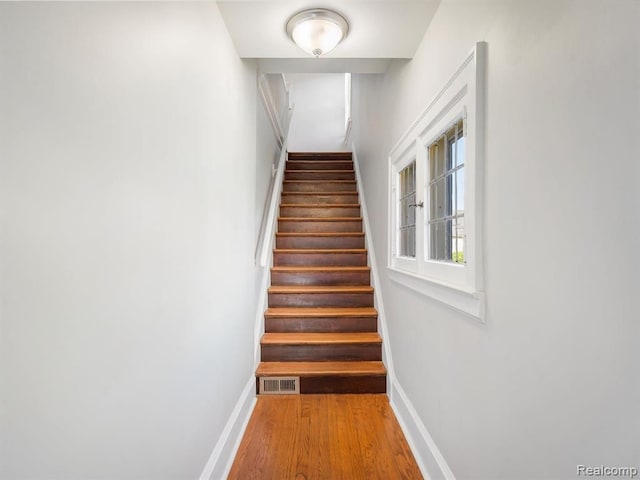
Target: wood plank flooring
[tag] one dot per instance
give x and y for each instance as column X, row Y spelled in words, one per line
column 332, row 437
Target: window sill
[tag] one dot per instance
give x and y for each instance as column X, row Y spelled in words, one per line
column 469, row 302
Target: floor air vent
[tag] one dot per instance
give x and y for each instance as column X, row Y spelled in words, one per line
column 279, row 385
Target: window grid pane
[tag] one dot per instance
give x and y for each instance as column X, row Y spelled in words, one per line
column 446, row 196
column 407, row 217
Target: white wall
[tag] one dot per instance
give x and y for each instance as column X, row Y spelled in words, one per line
column 318, row 122
column 127, row 217
column 552, row 379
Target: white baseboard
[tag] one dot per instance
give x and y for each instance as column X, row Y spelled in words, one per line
column 221, row 459
column 431, row 462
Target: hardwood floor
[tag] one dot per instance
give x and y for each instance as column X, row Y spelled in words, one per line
column 333, row 437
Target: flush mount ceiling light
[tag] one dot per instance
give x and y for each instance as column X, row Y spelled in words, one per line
column 317, row 31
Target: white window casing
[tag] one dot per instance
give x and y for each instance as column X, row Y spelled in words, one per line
column 459, row 285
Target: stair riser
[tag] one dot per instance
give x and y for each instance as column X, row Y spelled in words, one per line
column 321, row 175
column 319, row 187
column 320, row 212
column 320, row 259
column 321, row 299
column 324, row 165
column 340, row 384
column 320, row 324
column 349, row 384
column 322, row 226
column 321, row 278
column 321, row 353
column 320, row 242
column 319, row 198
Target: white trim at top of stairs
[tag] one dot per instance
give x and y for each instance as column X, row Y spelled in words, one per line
column 221, row 459
column 431, row 462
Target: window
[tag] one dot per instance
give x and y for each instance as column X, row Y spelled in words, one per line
column 436, row 195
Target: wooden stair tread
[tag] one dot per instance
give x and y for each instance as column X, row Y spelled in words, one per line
column 334, row 193
column 298, row 338
column 297, row 269
column 320, row 154
column 293, row 170
column 308, row 162
column 320, row 234
column 320, row 289
column 317, row 205
column 321, row 312
column 317, row 157
column 351, row 368
column 318, row 181
column 320, row 250
column 320, row 219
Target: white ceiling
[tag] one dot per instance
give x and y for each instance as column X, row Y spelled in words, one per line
column 379, row 29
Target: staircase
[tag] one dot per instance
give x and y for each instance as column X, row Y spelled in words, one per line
column 321, row 327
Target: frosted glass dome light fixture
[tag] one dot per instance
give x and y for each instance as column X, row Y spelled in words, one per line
column 317, row 31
